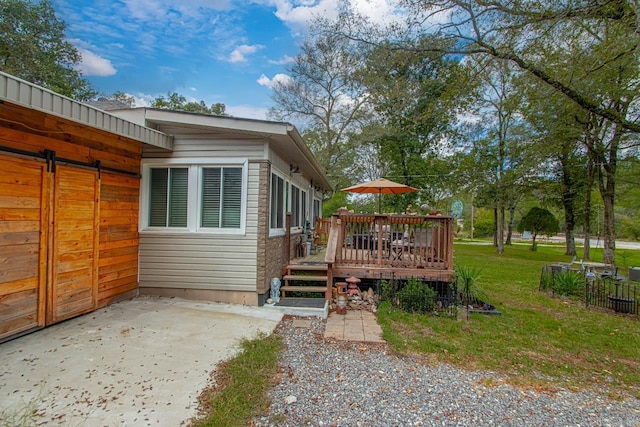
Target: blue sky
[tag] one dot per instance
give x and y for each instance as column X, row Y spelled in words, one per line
column 213, row 50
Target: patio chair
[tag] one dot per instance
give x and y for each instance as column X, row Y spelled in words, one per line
column 567, row 265
column 421, row 247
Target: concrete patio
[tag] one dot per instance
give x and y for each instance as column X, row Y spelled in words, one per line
column 137, row 362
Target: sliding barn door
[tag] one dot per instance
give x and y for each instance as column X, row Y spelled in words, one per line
column 23, row 244
column 73, row 284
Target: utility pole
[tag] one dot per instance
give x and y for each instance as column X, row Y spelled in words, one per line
column 471, row 216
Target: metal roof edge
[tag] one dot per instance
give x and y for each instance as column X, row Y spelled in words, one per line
column 17, row 91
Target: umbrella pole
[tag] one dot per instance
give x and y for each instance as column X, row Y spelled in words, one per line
column 379, row 200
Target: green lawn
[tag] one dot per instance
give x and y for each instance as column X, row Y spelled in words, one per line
column 539, row 340
column 241, row 385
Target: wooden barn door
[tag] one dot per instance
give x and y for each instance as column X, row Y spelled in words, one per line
column 73, row 285
column 24, row 195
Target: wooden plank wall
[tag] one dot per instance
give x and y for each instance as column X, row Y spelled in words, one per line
column 35, row 131
column 22, row 247
column 72, row 290
column 118, row 256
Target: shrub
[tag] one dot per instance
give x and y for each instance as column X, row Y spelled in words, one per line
column 417, row 297
column 568, row 282
column 483, row 225
column 468, row 283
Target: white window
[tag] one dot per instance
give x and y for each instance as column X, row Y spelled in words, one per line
column 298, row 207
column 221, row 197
column 295, row 206
column 168, row 197
column 205, row 198
column 277, row 211
column 316, row 210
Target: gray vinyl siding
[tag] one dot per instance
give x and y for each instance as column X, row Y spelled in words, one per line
column 194, row 147
column 199, row 261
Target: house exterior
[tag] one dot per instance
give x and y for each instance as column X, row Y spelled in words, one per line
column 213, row 208
column 81, row 212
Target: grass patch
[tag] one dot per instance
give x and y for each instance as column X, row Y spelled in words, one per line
column 241, row 384
column 539, row 340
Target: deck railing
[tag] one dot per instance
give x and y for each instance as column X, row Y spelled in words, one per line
column 322, row 229
column 396, row 241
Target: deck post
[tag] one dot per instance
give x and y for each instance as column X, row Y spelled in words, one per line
column 287, row 238
column 378, row 230
column 327, row 294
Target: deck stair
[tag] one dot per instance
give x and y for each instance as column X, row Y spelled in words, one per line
column 314, row 278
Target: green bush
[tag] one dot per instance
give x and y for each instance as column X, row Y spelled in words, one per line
column 568, row 283
column 483, row 225
column 417, row 297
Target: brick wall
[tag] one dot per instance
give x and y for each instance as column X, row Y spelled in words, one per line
column 271, row 254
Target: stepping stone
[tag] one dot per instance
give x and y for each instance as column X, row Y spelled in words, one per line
column 301, row 323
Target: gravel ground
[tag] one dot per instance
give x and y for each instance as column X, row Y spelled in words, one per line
column 332, row 383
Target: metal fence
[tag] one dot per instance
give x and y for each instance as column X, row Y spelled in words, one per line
column 427, row 295
column 610, row 291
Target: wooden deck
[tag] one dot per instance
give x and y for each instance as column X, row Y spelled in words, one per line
column 371, row 246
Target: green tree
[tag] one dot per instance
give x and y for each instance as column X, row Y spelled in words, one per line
column 538, row 221
column 585, row 50
column 321, row 92
column 559, row 135
column 416, row 99
column 526, row 34
column 177, row 102
column 627, row 196
column 33, row 47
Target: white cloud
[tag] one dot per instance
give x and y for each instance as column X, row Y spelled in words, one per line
column 246, row 111
column 266, row 81
column 141, row 99
column 297, row 14
column 378, row 11
column 282, row 61
column 94, row 65
column 151, row 10
column 240, row 53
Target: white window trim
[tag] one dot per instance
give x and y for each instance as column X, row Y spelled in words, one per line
column 303, row 215
column 274, row 232
column 193, row 200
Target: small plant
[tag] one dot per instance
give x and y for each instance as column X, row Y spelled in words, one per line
column 468, row 283
column 625, row 255
column 417, row 297
column 25, row 415
column 546, row 279
column 568, row 283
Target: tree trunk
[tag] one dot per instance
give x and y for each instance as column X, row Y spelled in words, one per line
column 568, row 197
column 608, row 224
column 512, row 217
column 495, row 227
column 500, row 230
column 604, row 156
column 606, row 172
column 586, row 254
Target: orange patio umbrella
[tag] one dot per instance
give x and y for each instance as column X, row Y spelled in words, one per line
column 380, row 186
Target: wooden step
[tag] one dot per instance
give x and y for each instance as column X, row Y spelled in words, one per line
column 303, row 288
column 307, row 267
column 306, row 278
